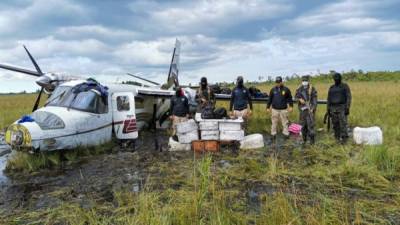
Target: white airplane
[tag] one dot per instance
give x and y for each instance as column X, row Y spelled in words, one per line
column 82, row 112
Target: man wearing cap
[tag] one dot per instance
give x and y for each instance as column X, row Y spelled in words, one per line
column 279, row 99
column 205, row 96
column 307, row 102
column 179, row 109
column 241, row 101
column 338, row 106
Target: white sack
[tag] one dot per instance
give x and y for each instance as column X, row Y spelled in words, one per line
column 368, row 136
column 176, row 146
column 252, row 141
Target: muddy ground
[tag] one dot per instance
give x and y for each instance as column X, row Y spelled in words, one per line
column 91, row 178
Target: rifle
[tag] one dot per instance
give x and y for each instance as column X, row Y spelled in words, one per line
column 327, row 120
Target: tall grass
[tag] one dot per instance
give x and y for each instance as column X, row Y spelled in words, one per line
column 319, row 185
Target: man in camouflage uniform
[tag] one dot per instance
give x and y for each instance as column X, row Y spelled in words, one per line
column 338, row 106
column 307, row 102
column 205, row 95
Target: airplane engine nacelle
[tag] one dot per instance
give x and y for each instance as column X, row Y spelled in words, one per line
column 50, row 81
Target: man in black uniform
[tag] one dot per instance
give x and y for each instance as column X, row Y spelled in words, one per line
column 240, row 101
column 205, row 96
column 338, row 106
column 279, row 99
column 179, row 109
column 307, row 97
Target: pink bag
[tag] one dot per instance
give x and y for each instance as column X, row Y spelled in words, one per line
column 295, row 128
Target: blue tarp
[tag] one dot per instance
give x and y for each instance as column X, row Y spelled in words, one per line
column 92, row 84
column 26, row 119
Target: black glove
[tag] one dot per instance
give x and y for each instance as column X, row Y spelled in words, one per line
column 347, row 111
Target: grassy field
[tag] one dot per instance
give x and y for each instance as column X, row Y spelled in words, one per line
column 323, row 184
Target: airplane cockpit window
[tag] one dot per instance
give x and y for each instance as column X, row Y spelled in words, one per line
column 123, row 103
column 57, row 95
column 88, row 101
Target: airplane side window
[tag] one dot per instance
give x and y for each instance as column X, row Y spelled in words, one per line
column 123, row 103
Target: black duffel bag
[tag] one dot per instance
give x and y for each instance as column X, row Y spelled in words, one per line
column 208, row 112
column 220, row 113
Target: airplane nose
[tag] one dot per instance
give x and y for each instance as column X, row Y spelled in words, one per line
column 18, row 136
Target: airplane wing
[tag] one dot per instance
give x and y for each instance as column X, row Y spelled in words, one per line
column 225, row 97
column 155, row 92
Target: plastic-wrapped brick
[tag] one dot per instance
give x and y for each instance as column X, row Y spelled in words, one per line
column 208, row 125
column 187, row 138
column 210, row 135
column 231, row 135
column 186, row 127
column 230, row 126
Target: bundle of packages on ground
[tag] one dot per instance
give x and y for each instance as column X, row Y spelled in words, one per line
column 187, row 132
column 231, row 130
column 209, row 130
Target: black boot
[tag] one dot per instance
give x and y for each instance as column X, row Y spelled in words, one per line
column 304, row 139
column 273, row 139
column 312, row 140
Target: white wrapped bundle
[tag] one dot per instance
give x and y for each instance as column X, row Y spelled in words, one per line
column 187, row 138
column 187, row 126
column 230, row 126
column 176, row 146
column 208, row 125
column 368, row 136
column 252, row 141
column 210, row 135
column 231, row 135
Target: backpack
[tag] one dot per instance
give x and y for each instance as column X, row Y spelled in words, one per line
column 220, row 113
column 208, row 112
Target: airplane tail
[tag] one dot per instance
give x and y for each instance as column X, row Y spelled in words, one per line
column 173, row 80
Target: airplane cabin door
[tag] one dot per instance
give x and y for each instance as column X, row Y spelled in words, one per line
column 124, row 117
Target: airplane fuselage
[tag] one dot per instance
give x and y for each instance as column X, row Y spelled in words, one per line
column 58, row 126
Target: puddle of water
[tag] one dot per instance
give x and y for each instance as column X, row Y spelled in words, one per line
column 4, row 153
column 3, row 162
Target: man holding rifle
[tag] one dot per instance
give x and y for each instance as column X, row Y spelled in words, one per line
column 307, row 102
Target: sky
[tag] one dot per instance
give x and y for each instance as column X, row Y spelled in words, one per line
column 221, row 39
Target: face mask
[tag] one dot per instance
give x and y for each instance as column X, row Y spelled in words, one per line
column 338, row 81
column 304, row 83
column 240, row 83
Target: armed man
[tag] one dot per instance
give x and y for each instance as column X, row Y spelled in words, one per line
column 307, row 102
column 241, row 101
column 280, row 103
column 338, row 107
column 179, row 109
column 205, row 96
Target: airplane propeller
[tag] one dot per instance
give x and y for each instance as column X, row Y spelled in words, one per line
column 39, row 71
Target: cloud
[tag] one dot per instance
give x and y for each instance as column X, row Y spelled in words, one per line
column 210, row 16
column 220, row 39
column 38, row 14
column 344, row 16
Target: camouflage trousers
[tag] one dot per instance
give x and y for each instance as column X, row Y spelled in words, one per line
column 339, row 121
column 307, row 122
